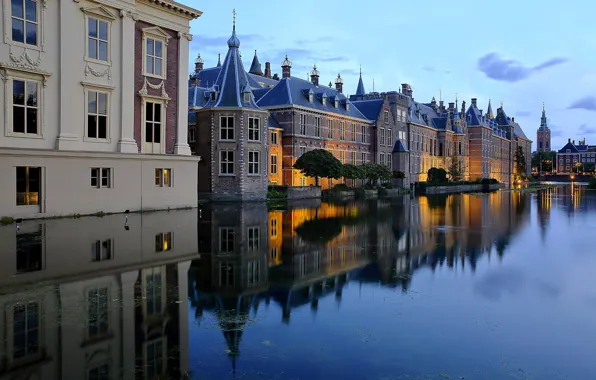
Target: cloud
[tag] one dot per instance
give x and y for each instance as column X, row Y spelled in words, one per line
column 584, row 129
column 511, row 282
column 435, row 70
column 585, row 103
column 510, row 70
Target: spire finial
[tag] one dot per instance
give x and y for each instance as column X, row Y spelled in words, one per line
column 501, row 104
column 360, row 70
column 543, row 107
column 234, row 19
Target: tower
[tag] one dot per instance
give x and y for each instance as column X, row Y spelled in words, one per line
column 360, row 89
column 543, row 134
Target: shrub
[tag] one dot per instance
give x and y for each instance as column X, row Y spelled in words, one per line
column 341, row 187
column 399, row 174
column 437, row 175
column 275, row 194
column 6, row 220
column 387, row 185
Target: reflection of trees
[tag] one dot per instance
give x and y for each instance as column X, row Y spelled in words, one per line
column 438, row 201
column 320, row 231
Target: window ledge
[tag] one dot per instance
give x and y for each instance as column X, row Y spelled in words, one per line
column 253, row 175
column 24, row 45
column 96, row 141
column 24, row 135
column 98, row 61
column 98, row 339
column 154, row 76
column 227, row 175
column 254, row 141
column 226, row 141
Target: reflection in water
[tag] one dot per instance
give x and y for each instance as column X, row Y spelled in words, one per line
column 314, row 290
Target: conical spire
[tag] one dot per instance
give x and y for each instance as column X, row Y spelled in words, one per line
column 218, row 59
column 489, row 111
column 543, row 124
column 255, row 67
column 360, row 88
column 234, row 42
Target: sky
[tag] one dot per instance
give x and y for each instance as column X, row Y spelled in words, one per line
column 522, row 53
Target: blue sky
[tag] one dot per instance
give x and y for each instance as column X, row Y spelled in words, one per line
column 521, row 53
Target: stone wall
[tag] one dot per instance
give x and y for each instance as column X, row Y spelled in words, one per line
column 301, row 192
column 460, row 188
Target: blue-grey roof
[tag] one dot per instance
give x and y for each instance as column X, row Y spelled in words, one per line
column 295, row 91
column 369, row 108
column 360, row 88
column 197, row 96
column 209, row 76
column 273, row 122
column 399, row 147
column 255, row 67
column 474, row 117
column 517, row 131
column 572, row 148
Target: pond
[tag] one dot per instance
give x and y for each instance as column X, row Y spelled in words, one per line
column 473, row 286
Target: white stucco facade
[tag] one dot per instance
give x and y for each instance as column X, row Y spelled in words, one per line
column 69, row 95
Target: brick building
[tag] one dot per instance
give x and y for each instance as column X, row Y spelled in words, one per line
column 575, row 156
column 543, row 134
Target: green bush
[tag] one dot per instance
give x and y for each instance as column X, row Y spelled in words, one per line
column 387, row 185
column 341, row 187
column 6, row 220
column 276, row 194
column 437, row 175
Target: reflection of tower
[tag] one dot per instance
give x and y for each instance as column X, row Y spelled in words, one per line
column 543, row 206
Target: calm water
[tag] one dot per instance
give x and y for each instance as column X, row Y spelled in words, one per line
column 479, row 286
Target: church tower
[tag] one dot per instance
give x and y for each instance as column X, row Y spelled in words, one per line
column 543, row 134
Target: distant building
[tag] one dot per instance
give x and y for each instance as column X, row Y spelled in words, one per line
column 575, row 155
column 543, row 134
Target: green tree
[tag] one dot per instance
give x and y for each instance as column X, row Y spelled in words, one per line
column 520, row 163
column 454, row 172
column 437, row 175
column 319, row 163
column 375, row 172
column 543, row 161
column 350, row 171
column 398, row 174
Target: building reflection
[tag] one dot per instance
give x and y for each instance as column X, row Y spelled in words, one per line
column 89, row 299
column 306, row 253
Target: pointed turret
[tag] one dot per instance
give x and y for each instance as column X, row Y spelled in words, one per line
column 360, row 88
column 314, row 75
column 543, row 124
column 339, row 83
column 255, row 67
column 489, row 111
column 218, row 59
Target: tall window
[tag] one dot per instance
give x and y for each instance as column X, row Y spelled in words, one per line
column 155, row 357
column 25, row 107
column 97, row 309
column 353, row 158
column 274, row 138
column 342, row 157
column 163, row 242
column 253, row 238
column 97, row 115
column 353, row 132
column 25, row 334
column 154, row 57
column 97, row 39
column 317, row 126
column 226, row 162
column 153, row 291
column 226, row 240
column 382, row 158
column 253, row 162
column 301, row 151
column 163, row 177
column 226, row 128
column 302, row 124
column 363, row 133
column 254, row 131
column 273, row 227
column 254, row 271
column 363, row 157
column 24, row 21
column 273, row 164
column 28, row 185
column 386, row 116
column 153, row 122
column 30, row 251
column 342, row 131
column 381, row 136
column 330, row 129
column 389, row 136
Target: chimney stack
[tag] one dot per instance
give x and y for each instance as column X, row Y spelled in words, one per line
column 474, row 100
column 406, row 89
column 267, row 70
column 198, row 63
column 568, row 140
column 286, row 67
column 441, row 106
column 275, row 76
column 314, row 75
column 451, row 106
column 339, row 83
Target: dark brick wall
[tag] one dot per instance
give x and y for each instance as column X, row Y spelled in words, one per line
column 171, row 85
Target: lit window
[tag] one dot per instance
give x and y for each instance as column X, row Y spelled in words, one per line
column 154, row 57
column 28, row 180
column 24, row 21
column 163, row 242
column 25, row 107
column 97, row 39
column 226, row 162
column 382, row 136
column 254, row 131
column 97, row 115
column 101, row 177
column 163, row 177
column 253, row 163
column 273, row 164
column 226, row 128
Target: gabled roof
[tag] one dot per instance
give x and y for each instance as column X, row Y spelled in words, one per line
column 399, row 147
column 294, row 91
column 369, row 108
column 474, row 117
column 569, row 146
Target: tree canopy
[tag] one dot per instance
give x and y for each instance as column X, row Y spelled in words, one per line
column 319, row 163
column 350, row 171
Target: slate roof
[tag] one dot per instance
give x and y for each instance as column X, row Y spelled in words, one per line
column 360, row 88
column 569, row 146
column 295, row 91
column 255, row 67
column 399, row 147
column 369, row 108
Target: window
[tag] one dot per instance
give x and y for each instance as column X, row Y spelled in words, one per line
column 29, row 252
column 191, row 135
column 330, row 129
column 254, row 271
column 154, row 57
column 386, row 116
column 274, row 138
column 389, row 163
column 24, row 21
column 153, row 123
column 25, row 106
column 99, row 372
column 226, row 162
column 226, row 275
column 273, row 164
column 253, row 163
column 302, row 124
column 301, row 151
column 342, row 157
column 25, row 326
column 153, row 291
column 363, row 157
column 226, row 128
column 97, row 39
column 382, row 158
column 226, row 240
column 389, row 137
column 253, row 238
column 317, row 126
column 382, row 136
column 155, row 358
column 254, row 132
column 353, row 132
column 28, row 181
column 302, row 181
column 163, row 242
column 163, row 177
column 353, row 156
column 101, row 177
column 102, row 250
column 97, row 309
column 342, row 131
column 363, row 133
column 273, row 227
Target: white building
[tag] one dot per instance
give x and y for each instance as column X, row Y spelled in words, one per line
column 94, row 117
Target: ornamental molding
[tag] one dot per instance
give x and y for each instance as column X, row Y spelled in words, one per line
column 161, row 86
column 24, row 60
column 99, row 74
column 7, row 67
column 131, row 14
column 188, row 36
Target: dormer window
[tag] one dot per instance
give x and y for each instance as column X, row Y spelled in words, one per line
column 310, row 97
column 347, row 106
column 336, row 103
column 324, row 100
column 212, row 96
column 568, row 150
column 247, row 97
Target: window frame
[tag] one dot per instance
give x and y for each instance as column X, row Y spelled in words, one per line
column 254, row 128
column 161, row 239
column 160, row 177
column 101, row 14
column 254, row 164
column 37, row 22
column 272, row 164
column 97, row 88
column 342, row 130
column 164, row 356
column 10, row 76
column 227, row 128
column 108, row 332
column 227, row 239
column 100, row 178
column 253, row 243
column 153, row 271
column 228, row 162
column 10, row 323
column 273, row 138
column 40, row 10
column 157, row 34
column 163, row 119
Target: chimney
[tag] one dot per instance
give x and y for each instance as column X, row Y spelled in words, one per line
column 314, row 75
column 474, row 100
column 198, row 63
column 441, row 106
column 339, row 84
column 463, row 107
column 568, row 140
column 406, row 89
column 451, row 106
column 276, row 77
column 267, row 70
column 513, row 118
column 286, row 67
